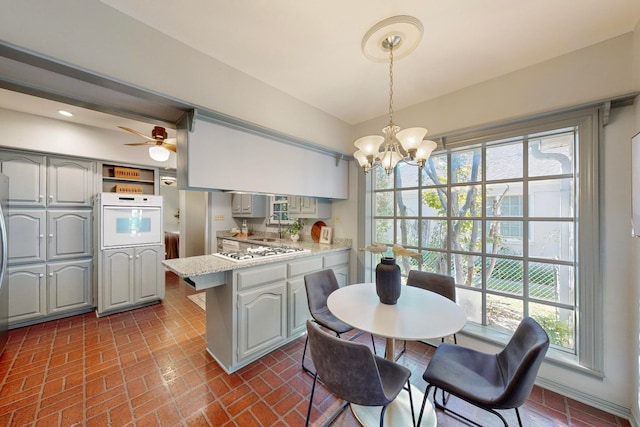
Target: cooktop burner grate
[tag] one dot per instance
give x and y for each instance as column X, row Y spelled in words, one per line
column 259, row 253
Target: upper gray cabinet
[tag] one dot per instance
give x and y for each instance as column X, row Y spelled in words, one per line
column 269, row 165
column 308, row 207
column 70, row 182
column 248, row 205
column 27, row 178
column 34, row 183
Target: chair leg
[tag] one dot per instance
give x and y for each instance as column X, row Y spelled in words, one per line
column 444, row 408
column 424, row 401
column 413, row 412
column 384, row 409
column 518, row 415
column 313, row 389
column 304, row 352
column 373, row 343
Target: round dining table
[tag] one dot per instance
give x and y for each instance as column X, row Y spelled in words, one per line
column 417, row 315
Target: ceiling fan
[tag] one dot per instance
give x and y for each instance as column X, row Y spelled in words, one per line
column 158, row 138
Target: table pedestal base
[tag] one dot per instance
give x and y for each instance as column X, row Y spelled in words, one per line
column 398, row 412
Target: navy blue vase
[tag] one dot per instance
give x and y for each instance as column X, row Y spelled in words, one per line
column 388, row 284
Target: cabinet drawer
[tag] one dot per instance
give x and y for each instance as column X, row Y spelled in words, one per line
column 304, row 266
column 258, row 276
column 336, row 259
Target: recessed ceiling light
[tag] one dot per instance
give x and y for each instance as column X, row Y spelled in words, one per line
column 65, row 113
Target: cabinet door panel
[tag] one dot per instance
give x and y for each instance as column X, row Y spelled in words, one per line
column 27, row 293
column 69, row 234
column 69, row 285
column 262, row 319
column 298, row 306
column 70, row 182
column 116, row 289
column 27, row 236
column 149, row 274
column 27, row 178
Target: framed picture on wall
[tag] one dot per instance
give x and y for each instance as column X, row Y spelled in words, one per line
column 635, row 185
column 326, row 234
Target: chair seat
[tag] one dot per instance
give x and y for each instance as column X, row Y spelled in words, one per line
column 467, row 373
column 393, row 377
column 329, row 321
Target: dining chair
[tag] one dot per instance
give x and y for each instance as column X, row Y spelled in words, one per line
column 353, row 373
column 319, row 286
column 488, row 381
column 441, row 284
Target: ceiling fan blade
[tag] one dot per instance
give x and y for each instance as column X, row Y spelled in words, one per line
column 171, row 141
column 170, row 147
column 141, row 143
column 136, row 133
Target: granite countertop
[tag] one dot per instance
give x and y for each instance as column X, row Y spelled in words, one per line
column 207, row 264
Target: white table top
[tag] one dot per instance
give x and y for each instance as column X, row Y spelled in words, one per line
column 418, row 314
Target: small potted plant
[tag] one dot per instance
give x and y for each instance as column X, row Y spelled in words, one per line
column 294, row 229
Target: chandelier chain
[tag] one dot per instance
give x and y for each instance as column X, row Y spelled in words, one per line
column 391, row 84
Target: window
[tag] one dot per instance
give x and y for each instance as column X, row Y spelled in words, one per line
column 499, row 211
column 278, row 210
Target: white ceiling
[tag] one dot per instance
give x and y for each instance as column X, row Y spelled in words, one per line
column 311, row 49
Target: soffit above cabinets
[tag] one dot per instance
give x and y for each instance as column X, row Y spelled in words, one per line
column 33, row 74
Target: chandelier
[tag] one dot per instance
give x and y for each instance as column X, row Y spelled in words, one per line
column 400, row 34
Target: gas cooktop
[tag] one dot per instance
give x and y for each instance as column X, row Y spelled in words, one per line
column 259, row 253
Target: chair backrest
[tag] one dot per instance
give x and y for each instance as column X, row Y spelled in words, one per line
column 348, row 369
column 434, row 282
column 319, row 286
column 520, row 361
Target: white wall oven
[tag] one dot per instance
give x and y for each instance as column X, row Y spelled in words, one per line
column 130, row 220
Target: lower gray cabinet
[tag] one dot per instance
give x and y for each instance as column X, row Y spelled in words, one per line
column 262, row 319
column 298, row 306
column 42, row 291
column 69, row 286
column 130, row 277
column 27, row 293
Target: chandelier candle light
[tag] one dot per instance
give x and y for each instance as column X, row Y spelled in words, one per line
column 400, row 34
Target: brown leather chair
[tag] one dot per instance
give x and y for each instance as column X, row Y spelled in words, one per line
column 319, row 286
column 489, row 381
column 353, row 373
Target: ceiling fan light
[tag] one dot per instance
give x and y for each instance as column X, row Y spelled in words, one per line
column 411, row 138
column 159, row 154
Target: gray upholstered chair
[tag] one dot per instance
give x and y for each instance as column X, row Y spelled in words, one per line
column 434, row 282
column 353, row 373
column 489, row 381
column 319, row 286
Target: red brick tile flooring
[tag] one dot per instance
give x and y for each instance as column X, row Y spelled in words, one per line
column 149, row 367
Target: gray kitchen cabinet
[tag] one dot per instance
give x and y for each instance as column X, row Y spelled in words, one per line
column 28, row 293
column 68, row 234
column 27, row 236
column 34, row 183
column 129, row 277
column 69, row 286
column 27, row 178
column 248, row 205
column 297, row 305
column 308, row 207
column 262, row 319
column 70, row 182
column 339, row 262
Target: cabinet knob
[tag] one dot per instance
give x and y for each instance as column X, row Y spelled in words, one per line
column 41, row 275
column 130, row 256
column 51, row 197
column 137, row 256
column 50, row 235
column 50, row 274
column 42, row 236
column 40, row 196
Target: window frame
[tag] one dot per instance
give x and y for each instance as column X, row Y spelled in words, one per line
column 589, row 298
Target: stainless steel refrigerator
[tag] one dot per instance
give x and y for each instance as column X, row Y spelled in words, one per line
column 4, row 285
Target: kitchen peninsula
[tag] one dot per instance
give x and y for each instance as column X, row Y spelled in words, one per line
column 255, row 306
